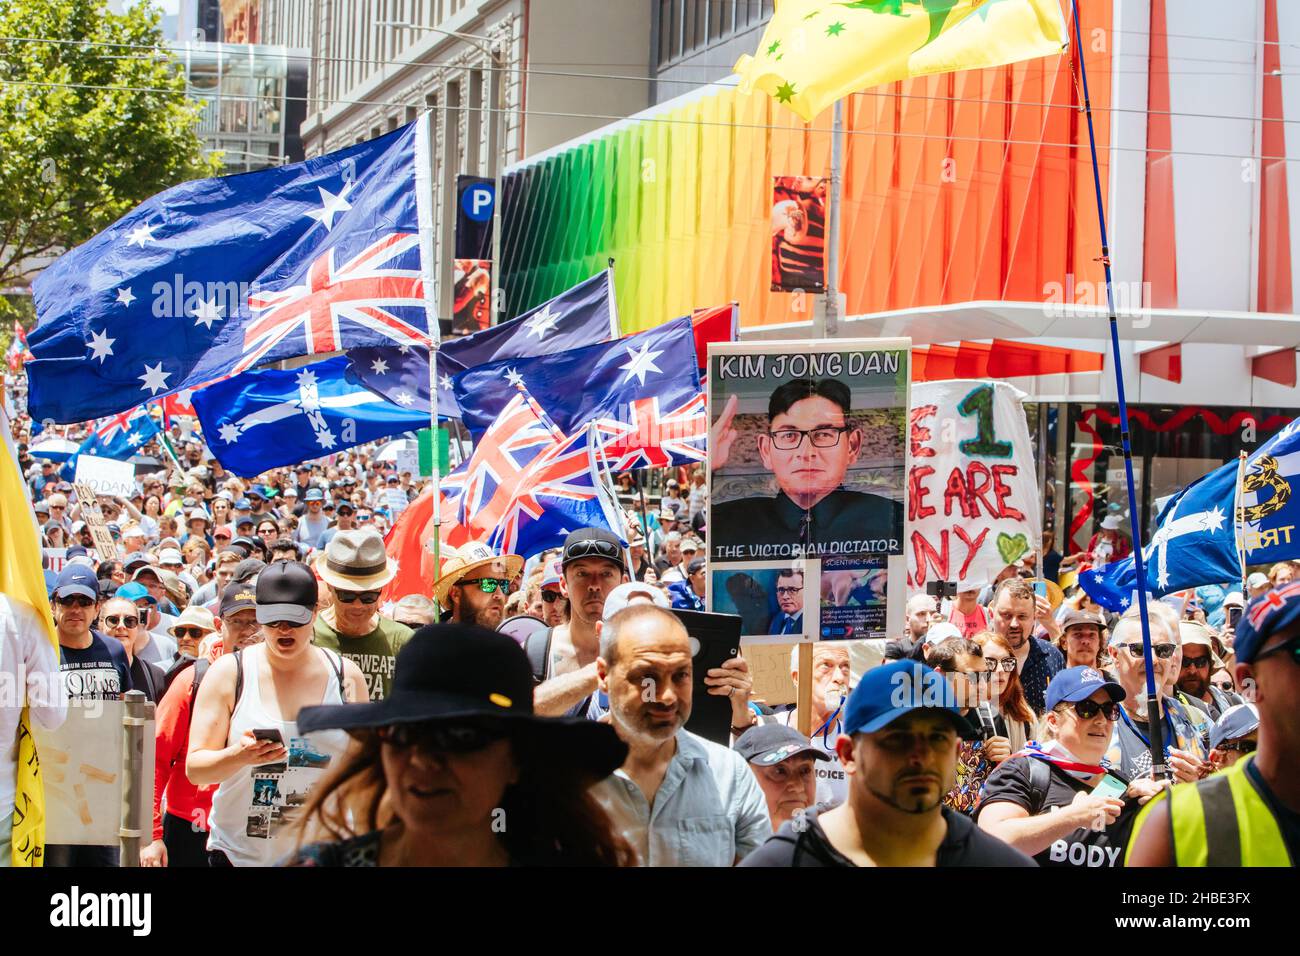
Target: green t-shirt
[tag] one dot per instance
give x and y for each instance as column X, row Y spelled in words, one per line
column 375, row 653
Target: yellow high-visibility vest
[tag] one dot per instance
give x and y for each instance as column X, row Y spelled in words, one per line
column 1220, row 821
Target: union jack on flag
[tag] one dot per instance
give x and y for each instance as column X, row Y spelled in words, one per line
column 527, row 485
column 652, row 439
column 362, row 291
column 119, row 436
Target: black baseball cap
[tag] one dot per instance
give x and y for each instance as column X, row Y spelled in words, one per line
column 768, row 744
column 247, row 569
column 592, row 543
column 286, row 591
column 238, row 596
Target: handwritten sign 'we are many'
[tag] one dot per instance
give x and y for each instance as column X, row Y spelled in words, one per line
column 973, row 503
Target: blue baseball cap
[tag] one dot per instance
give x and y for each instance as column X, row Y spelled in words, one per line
column 244, row 520
column 243, row 504
column 135, row 591
column 314, row 494
column 896, row 689
column 1079, row 683
column 257, row 491
column 1270, row 613
column 1235, row 722
column 77, row 579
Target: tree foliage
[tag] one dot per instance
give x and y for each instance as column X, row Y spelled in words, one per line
column 93, row 120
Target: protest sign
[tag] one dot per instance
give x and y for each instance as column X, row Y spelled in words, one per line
column 81, row 762
column 807, row 463
column 106, row 476
column 56, row 558
column 973, row 499
column 105, row 547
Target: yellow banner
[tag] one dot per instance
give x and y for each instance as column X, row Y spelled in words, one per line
column 815, row 52
column 22, row 581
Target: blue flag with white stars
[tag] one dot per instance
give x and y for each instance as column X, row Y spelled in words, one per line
column 270, row 418
column 213, row 277
column 1194, row 544
column 642, row 393
column 578, row 316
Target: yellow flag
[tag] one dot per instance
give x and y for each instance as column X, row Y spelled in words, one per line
column 22, row 580
column 816, row 51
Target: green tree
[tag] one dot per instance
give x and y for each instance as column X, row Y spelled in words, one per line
column 93, row 120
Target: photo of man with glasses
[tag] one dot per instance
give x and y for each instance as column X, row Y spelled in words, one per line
column 810, row 443
column 789, row 597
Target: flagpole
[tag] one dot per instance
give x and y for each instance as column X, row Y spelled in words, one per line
column 1155, row 728
column 1237, row 523
column 429, row 276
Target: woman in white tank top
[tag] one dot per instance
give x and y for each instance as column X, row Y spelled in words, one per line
column 240, row 737
column 251, row 810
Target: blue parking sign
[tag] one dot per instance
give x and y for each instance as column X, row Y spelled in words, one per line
column 477, row 201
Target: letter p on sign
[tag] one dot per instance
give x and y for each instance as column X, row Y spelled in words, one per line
column 477, row 202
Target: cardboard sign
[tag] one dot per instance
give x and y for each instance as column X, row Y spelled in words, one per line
column 397, row 501
column 973, row 503
column 106, row 476
column 105, row 547
column 58, row 557
column 81, row 763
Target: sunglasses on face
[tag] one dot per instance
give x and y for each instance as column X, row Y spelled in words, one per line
column 1008, row 664
column 351, row 597
column 440, row 737
column 130, row 622
column 1291, row 648
column 1240, row 746
column 550, row 597
column 188, row 633
column 486, row 585
column 1162, row 651
column 1197, row 662
column 77, row 601
column 282, row 625
column 1088, row 709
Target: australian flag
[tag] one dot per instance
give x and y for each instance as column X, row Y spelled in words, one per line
column 641, row 393
column 120, row 436
column 269, row 418
column 212, row 277
column 527, row 485
column 579, row 316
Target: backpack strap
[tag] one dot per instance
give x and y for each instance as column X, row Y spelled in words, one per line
column 538, row 649
column 1040, row 778
column 336, row 664
column 239, row 679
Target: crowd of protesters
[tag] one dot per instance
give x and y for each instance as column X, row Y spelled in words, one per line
column 302, row 720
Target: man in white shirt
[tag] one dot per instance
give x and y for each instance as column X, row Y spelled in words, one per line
column 679, row 799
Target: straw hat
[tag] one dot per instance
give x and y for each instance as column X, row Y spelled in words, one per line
column 355, row 560
column 458, row 563
column 199, row 617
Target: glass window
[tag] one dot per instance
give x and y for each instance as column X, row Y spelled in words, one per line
column 666, row 30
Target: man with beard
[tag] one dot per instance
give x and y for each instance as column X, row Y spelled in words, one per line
column 902, row 727
column 1014, row 613
column 1081, row 638
column 474, row 584
column 563, row 657
column 679, row 799
column 356, row 568
column 1199, row 662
